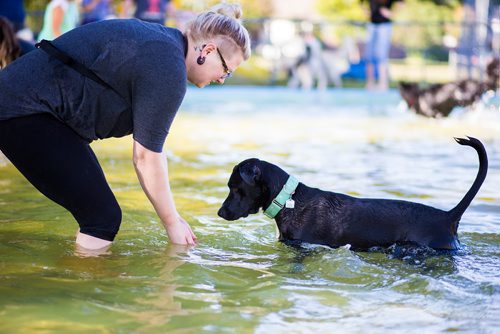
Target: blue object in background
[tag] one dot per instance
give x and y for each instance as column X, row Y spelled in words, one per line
column 357, row 71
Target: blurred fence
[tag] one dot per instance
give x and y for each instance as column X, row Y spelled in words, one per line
column 461, row 49
column 436, row 51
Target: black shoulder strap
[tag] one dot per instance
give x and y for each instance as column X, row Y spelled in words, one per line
column 67, row 60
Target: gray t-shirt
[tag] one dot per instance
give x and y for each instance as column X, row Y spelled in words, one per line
column 143, row 62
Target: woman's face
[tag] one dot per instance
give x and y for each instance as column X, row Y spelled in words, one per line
column 217, row 67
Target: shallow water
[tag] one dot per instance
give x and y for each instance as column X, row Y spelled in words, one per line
column 240, row 279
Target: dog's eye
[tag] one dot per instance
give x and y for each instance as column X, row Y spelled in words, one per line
column 236, row 191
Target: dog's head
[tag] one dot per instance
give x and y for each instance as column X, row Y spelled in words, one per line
column 409, row 92
column 246, row 191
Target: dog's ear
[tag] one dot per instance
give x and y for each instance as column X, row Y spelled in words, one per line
column 250, row 173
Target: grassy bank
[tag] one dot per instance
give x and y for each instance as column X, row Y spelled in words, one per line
column 257, row 71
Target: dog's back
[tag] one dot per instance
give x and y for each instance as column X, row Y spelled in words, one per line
column 383, row 222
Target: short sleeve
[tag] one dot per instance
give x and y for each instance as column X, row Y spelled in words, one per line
column 157, row 92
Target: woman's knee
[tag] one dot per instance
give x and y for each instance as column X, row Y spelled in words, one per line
column 113, row 217
column 103, row 223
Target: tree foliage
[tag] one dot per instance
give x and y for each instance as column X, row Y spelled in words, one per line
column 426, row 23
column 340, row 10
column 252, row 8
column 32, row 5
column 357, row 10
column 419, row 24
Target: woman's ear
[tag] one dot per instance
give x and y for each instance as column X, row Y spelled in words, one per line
column 208, row 48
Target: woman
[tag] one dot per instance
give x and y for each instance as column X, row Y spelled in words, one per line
column 379, row 43
column 50, row 111
column 13, row 11
column 60, row 16
column 9, row 46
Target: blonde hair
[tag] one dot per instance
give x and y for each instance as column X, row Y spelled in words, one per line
column 9, row 48
column 221, row 22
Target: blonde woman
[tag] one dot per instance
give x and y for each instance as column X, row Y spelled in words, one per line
column 110, row 79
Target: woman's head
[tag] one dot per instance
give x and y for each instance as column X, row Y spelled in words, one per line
column 218, row 42
column 9, row 48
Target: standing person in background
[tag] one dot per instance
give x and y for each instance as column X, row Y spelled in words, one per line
column 110, row 79
column 60, row 16
column 379, row 43
column 9, row 47
column 96, row 10
column 154, row 11
column 14, row 11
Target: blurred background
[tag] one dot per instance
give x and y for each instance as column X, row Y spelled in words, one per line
column 363, row 143
column 433, row 41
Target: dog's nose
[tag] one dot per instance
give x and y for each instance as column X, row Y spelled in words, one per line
column 226, row 214
column 222, row 212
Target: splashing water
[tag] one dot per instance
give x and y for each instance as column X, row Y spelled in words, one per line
column 240, row 279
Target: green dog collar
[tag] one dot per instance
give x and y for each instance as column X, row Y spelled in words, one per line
column 283, row 199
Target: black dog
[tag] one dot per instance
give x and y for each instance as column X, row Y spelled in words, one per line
column 439, row 100
column 315, row 216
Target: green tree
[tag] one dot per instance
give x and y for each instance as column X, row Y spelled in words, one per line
column 419, row 24
column 357, row 10
column 251, row 8
column 424, row 22
column 339, row 10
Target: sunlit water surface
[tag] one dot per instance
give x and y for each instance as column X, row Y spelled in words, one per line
column 240, row 279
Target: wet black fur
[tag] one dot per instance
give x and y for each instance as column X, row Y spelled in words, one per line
column 335, row 219
column 439, row 100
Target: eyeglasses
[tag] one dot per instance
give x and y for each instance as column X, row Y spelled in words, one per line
column 226, row 69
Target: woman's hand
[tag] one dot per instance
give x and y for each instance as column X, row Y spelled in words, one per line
column 179, row 232
column 152, row 171
column 386, row 12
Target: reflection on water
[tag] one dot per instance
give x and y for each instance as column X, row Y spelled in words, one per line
column 239, row 279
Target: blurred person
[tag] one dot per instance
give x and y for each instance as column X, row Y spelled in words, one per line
column 154, row 11
column 60, row 16
column 309, row 67
column 379, row 43
column 14, row 11
column 9, row 46
column 96, row 10
column 110, row 79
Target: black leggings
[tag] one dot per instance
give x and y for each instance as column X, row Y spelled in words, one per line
column 63, row 167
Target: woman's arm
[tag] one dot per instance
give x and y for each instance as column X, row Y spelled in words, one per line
column 152, row 172
column 389, row 13
column 57, row 20
column 386, row 12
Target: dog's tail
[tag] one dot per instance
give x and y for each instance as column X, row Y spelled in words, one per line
column 457, row 212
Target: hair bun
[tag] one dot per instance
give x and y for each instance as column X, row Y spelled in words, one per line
column 228, row 9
